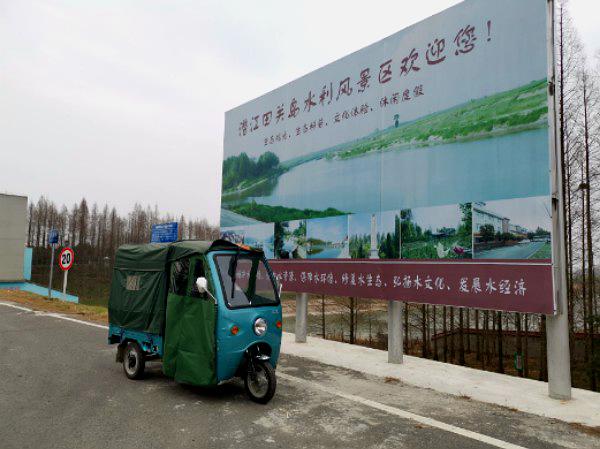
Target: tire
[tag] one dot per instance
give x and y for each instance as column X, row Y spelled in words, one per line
column 134, row 361
column 262, row 389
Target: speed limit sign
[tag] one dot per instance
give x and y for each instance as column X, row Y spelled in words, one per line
column 66, row 259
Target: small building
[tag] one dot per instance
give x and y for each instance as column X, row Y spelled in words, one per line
column 13, row 232
column 483, row 216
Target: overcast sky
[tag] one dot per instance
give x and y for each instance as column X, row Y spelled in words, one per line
column 123, row 101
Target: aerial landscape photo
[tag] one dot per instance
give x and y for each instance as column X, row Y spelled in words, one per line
column 508, row 129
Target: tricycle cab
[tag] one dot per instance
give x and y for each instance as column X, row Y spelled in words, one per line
column 211, row 311
column 244, row 324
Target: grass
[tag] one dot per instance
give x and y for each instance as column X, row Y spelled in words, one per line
column 90, row 282
column 515, row 110
column 270, row 214
column 426, row 249
column 97, row 314
column 545, row 252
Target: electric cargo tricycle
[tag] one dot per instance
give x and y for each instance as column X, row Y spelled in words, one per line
column 210, row 310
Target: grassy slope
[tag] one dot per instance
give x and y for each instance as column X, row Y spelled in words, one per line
column 97, row 314
column 507, row 112
column 270, row 214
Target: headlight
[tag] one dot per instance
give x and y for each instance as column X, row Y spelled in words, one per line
column 260, row 327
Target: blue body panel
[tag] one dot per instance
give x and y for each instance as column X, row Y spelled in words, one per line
column 152, row 344
column 231, row 348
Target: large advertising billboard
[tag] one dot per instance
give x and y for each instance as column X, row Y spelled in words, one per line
column 431, row 144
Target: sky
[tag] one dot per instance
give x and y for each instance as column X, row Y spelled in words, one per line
column 331, row 229
column 438, row 217
column 530, row 213
column 124, row 101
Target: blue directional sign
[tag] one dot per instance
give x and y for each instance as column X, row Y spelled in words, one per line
column 53, row 236
column 164, row 232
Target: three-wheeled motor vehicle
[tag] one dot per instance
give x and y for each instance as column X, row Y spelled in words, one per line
column 210, row 310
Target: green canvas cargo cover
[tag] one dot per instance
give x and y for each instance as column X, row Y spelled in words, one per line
column 139, row 287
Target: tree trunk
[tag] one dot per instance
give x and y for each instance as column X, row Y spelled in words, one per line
column 452, row 336
column 445, row 332
column 500, row 345
column 526, row 349
column 434, row 337
column 519, row 343
column 461, row 337
column 324, row 333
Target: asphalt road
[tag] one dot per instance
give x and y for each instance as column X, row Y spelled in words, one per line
column 519, row 251
column 60, row 388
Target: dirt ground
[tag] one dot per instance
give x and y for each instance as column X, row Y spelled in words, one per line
column 96, row 314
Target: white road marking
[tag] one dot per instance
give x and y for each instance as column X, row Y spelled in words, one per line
column 351, row 397
column 54, row 315
column 403, row 413
column 16, row 307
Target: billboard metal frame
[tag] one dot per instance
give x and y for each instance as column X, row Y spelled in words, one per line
column 557, row 325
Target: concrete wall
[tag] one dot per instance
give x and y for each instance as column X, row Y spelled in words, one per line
column 13, row 230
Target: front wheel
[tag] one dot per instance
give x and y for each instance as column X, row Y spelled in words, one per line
column 134, row 361
column 260, row 383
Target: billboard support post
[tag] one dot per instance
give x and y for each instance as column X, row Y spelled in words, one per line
column 301, row 317
column 557, row 326
column 395, row 339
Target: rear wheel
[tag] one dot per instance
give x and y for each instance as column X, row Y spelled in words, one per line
column 134, row 361
column 261, row 382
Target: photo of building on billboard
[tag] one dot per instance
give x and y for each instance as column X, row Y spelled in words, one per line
column 259, row 236
column 327, row 238
column 387, row 229
column 290, row 240
column 441, row 232
column 513, row 229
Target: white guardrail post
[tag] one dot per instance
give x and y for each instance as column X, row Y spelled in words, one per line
column 301, row 317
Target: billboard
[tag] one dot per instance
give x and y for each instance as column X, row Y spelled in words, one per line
column 431, row 144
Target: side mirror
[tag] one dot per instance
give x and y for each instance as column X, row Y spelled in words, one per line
column 202, row 284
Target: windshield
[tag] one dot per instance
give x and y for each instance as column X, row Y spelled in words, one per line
column 253, row 283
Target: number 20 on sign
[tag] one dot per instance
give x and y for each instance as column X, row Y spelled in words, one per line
column 65, row 262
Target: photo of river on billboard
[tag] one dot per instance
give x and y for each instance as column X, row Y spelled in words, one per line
column 433, row 144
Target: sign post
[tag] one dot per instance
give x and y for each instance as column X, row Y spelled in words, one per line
column 52, row 240
column 557, row 325
column 65, row 262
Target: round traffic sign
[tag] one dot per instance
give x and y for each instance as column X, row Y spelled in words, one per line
column 66, row 259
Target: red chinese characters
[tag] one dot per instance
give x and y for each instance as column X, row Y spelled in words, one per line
column 294, row 109
column 409, row 63
column 326, row 94
column 280, row 113
column 391, row 71
column 309, row 102
column 344, row 88
column 363, row 83
column 465, row 40
column 267, row 117
column 435, row 52
column 385, row 72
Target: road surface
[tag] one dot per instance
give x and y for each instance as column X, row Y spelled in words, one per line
column 60, row 388
column 519, row 251
column 229, row 218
